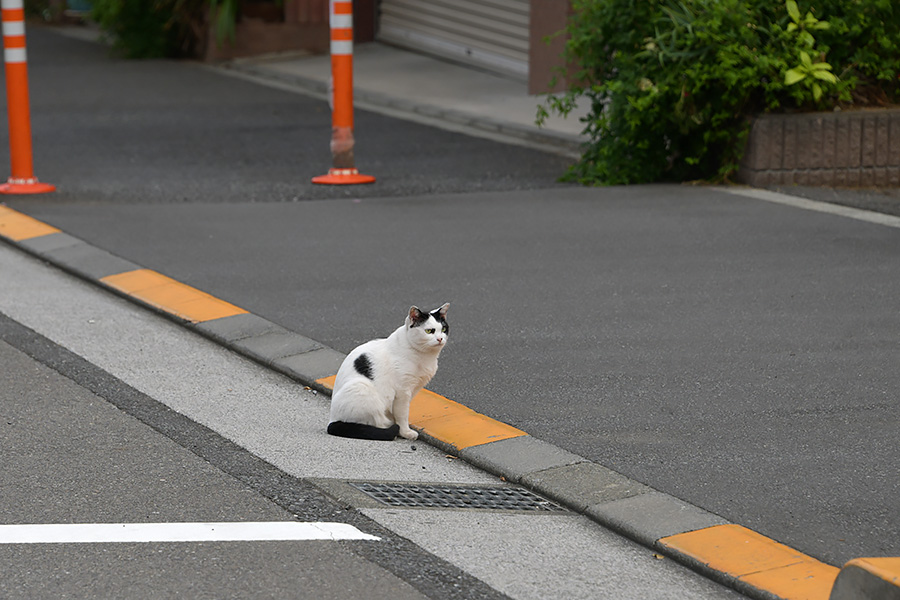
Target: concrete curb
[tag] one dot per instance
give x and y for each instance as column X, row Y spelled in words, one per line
column 868, row 579
column 728, row 553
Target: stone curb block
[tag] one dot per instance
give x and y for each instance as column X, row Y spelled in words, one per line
column 650, row 516
column 269, row 347
column 584, row 485
column 312, row 365
column 87, row 261
column 515, row 458
column 237, row 327
column 868, row 579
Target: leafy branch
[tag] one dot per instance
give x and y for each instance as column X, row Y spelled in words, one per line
column 810, row 73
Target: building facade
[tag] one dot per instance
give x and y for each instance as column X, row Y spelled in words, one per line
column 508, row 37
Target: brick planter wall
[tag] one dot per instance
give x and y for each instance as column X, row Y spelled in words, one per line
column 841, row 149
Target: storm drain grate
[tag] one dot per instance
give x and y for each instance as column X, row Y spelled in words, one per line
column 442, row 496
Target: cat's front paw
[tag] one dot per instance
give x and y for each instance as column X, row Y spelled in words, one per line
column 409, row 434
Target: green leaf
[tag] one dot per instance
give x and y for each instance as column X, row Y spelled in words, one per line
column 821, row 66
column 825, row 76
column 793, row 10
column 805, row 59
column 817, row 92
column 792, row 76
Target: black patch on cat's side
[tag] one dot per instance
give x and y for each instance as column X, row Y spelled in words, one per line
column 363, row 366
column 363, row 432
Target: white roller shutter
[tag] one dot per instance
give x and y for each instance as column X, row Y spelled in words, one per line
column 489, row 33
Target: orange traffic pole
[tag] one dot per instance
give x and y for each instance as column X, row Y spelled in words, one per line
column 343, row 169
column 22, row 180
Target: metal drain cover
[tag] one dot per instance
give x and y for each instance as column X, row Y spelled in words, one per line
column 444, row 496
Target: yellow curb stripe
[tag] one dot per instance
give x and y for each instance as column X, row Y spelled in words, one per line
column 757, row 560
column 17, row 227
column 883, row 567
column 327, row 382
column 171, row 296
column 807, row 580
column 449, row 421
column 455, row 424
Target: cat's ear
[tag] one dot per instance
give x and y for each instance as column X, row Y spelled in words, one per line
column 442, row 311
column 415, row 316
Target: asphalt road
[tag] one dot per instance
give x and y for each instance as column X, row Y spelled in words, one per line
column 738, row 354
column 162, row 131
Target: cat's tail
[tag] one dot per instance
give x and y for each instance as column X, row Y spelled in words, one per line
column 363, row 432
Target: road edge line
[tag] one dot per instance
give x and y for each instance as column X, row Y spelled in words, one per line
column 840, row 210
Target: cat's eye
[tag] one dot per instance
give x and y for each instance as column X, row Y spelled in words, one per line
column 444, row 329
column 429, row 331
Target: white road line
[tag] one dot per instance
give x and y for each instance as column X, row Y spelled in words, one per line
column 825, row 207
column 85, row 533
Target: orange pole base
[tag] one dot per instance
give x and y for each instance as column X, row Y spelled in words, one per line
column 26, row 186
column 343, row 177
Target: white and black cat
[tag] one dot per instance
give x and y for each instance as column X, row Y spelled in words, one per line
column 378, row 379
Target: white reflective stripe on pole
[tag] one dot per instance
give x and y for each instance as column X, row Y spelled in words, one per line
column 13, row 28
column 14, row 55
column 341, row 48
column 13, row 32
column 341, row 21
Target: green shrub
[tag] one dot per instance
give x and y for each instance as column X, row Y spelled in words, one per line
column 864, row 44
column 37, row 8
column 150, row 28
column 672, row 85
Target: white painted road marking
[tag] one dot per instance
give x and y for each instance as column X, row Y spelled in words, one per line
column 86, row 533
column 824, row 207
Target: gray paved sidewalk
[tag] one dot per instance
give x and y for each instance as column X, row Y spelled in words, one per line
column 431, row 90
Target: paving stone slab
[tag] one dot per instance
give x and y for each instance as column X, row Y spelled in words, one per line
column 49, row 243
column 312, row 365
column 238, row 327
column 582, row 485
column 269, row 347
column 90, row 261
column 516, row 457
column 651, row 516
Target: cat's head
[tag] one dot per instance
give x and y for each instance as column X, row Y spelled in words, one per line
column 428, row 331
